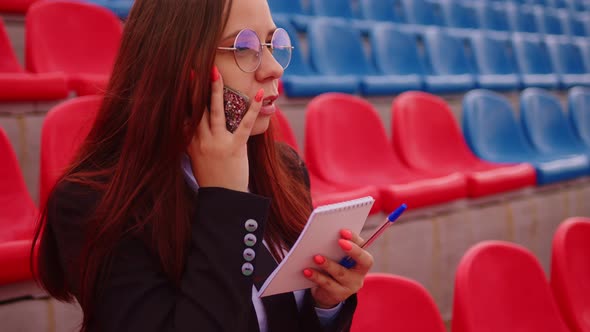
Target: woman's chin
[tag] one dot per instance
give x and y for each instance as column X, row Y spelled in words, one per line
column 261, row 125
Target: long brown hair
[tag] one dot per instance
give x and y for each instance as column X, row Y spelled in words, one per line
column 132, row 155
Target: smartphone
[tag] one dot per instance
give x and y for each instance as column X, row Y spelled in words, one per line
column 235, row 106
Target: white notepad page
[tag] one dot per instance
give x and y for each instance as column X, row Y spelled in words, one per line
column 319, row 237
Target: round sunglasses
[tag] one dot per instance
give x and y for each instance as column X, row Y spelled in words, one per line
column 248, row 49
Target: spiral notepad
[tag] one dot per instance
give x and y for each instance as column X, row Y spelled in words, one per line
column 320, row 236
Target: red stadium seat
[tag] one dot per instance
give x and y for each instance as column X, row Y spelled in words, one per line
column 17, row 85
column 83, row 46
column 501, row 286
column 392, row 303
column 570, row 272
column 15, row 6
column 425, row 133
column 17, row 217
column 64, row 129
column 346, row 144
column 323, row 193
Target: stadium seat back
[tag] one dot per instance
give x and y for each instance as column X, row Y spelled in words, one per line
column 493, row 18
column 501, row 286
column 545, row 123
column 381, row 10
column 395, row 51
column 343, row 134
column 383, row 294
column 566, row 56
column 523, row 19
column 549, row 22
column 8, row 61
column 331, row 8
column 532, row 55
column 446, row 54
column 490, row 127
column 72, row 37
column 64, row 130
column 459, row 15
column 570, row 271
column 425, row 132
column 579, row 112
column 493, row 56
column 17, row 209
column 422, row 12
column 336, row 48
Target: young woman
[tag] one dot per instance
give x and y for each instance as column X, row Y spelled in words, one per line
column 167, row 221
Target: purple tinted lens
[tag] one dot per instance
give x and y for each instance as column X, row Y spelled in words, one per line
column 247, row 51
column 281, row 45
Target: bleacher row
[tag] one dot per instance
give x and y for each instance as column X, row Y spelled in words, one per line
column 499, row 286
column 349, row 155
column 347, row 148
column 402, row 58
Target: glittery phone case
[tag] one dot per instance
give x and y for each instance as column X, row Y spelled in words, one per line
column 235, row 105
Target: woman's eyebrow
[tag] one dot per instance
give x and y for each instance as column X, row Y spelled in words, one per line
column 233, row 35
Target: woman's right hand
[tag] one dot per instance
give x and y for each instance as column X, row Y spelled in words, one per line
column 218, row 157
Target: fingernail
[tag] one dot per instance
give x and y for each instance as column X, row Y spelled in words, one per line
column 319, row 259
column 346, row 234
column 345, row 244
column 214, row 74
column 307, row 273
column 259, row 95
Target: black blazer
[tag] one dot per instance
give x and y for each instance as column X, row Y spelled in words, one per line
column 216, row 290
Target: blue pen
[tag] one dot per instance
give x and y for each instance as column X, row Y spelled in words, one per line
column 348, row 262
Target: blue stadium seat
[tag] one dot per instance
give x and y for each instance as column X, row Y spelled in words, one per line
column 299, row 80
column 496, row 66
column 421, row 12
column 493, row 133
column 336, row 48
column 534, row 62
column 292, row 10
column 341, row 9
column 449, row 69
column 575, row 25
column 523, row 19
column 568, row 62
column 494, row 17
column 548, row 21
column 558, row 4
column 577, row 6
column 584, row 46
column 395, row 53
column 331, row 8
column 121, row 8
column 579, row 112
column 461, row 19
column 546, row 125
column 380, row 10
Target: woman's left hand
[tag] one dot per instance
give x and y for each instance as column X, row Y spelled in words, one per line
column 335, row 283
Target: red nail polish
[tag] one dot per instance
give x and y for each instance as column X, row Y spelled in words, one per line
column 319, row 259
column 346, row 234
column 307, row 273
column 345, row 244
column 214, row 74
column 259, row 95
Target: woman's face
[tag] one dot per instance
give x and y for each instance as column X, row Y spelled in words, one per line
column 254, row 15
